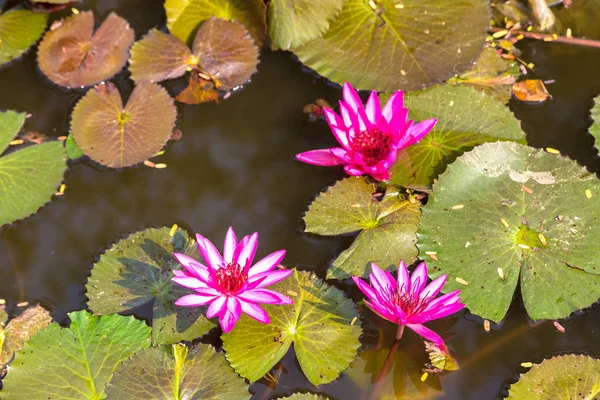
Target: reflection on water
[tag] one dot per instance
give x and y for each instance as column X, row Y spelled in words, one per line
column 235, row 166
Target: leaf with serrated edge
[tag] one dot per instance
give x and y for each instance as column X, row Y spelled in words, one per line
column 74, row 56
column 595, row 128
column 11, row 123
column 294, row 22
column 184, row 16
column 20, row 329
column 170, row 372
column 76, row 362
column 303, row 396
column 388, row 48
column 226, row 52
column 117, row 136
column 318, row 323
column 558, row 273
column 19, row 30
column 158, row 57
column 466, row 118
column 137, row 270
column 198, row 91
column 388, row 228
column 559, row 378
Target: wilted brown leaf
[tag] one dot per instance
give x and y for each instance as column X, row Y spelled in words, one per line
column 531, row 91
column 198, row 91
column 20, row 329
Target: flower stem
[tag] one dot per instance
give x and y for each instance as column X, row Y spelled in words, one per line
column 387, row 364
column 399, row 332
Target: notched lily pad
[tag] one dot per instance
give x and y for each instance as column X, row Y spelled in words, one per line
column 171, row 372
column 117, row 136
column 75, row 362
column 387, row 227
column 559, row 378
column 20, row 329
column 319, row 323
column 72, row 55
column 504, row 213
column 19, row 30
column 387, row 45
column 29, row 176
column 137, row 270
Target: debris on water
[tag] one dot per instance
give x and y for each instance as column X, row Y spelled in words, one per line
column 523, row 246
column 173, row 230
column 458, row 207
column 526, row 189
column 432, row 255
column 467, row 244
column 23, row 304
column 353, row 321
column 552, row 151
column 149, row 164
column 16, row 142
column 61, row 190
column 292, row 293
column 526, row 364
column 588, row 193
column 559, row 327
column 504, row 222
column 462, row 281
column 542, row 238
column 424, row 376
column 501, row 273
column 160, row 166
column 486, row 325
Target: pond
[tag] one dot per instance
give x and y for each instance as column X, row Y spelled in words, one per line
column 235, row 166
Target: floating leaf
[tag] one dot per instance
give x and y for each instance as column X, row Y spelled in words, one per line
column 531, row 91
column 20, row 329
column 595, row 128
column 184, row 16
column 318, row 323
column 138, row 270
column 466, row 118
column 19, row 30
column 75, row 362
column 559, row 378
column 118, row 136
column 388, row 228
column 171, row 373
column 524, row 214
column 440, row 357
column 73, row 151
column 28, row 177
column 294, row 22
column 74, row 56
column 303, row 396
column 198, row 91
column 394, row 45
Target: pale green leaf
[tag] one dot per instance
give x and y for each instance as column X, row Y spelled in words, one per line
column 303, row 396
column 595, row 128
column 19, row 30
column 73, row 151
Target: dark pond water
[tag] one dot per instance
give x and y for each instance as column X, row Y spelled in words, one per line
column 235, row 166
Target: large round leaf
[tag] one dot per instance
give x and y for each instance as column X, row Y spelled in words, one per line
column 76, row 362
column 466, row 118
column 387, row 227
column 184, row 16
column 559, row 378
column 73, row 55
column 319, row 323
column 399, row 45
column 28, row 177
column 171, row 373
column 138, row 270
column 505, row 211
column 295, row 22
column 19, row 30
column 118, row 136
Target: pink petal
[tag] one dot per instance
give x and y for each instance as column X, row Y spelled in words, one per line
column 381, row 311
column 267, row 264
column 373, row 108
column 352, row 98
column 398, row 121
column 234, row 307
column 380, row 282
column 366, row 289
column 255, row 311
column 418, row 131
column 193, row 267
column 437, row 313
column 341, row 154
column 209, row 252
column 246, row 250
column 434, row 287
column 363, row 121
column 270, row 277
column 426, row 333
column 418, row 278
column 194, row 300
column 337, row 127
column 216, row 307
column 403, row 277
column 447, row 299
column 394, row 105
column 264, row 296
column 229, row 246
column 353, row 170
column 384, row 176
column 348, row 115
column 227, row 320
column 189, row 282
column 322, row 157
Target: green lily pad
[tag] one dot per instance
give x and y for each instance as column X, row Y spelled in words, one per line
column 170, row 372
column 466, row 118
column 319, row 323
column 72, row 55
column 19, row 30
column 595, row 128
column 559, row 378
column 398, row 45
column 387, row 228
column 505, row 212
column 184, row 16
column 73, row 151
column 30, row 176
column 76, row 362
column 117, row 136
column 295, row 22
column 20, row 329
column 303, row 396
column 137, row 270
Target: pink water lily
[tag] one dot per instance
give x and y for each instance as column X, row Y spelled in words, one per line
column 370, row 137
column 230, row 283
column 407, row 301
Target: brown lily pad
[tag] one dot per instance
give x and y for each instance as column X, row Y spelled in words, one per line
column 20, row 329
column 72, row 55
column 120, row 136
column 198, row 91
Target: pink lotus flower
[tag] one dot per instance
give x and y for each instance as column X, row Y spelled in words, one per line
column 406, row 301
column 370, row 138
column 230, row 284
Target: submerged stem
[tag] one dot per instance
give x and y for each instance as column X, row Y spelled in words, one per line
column 387, row 364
